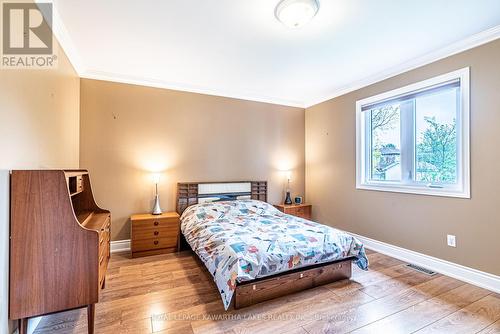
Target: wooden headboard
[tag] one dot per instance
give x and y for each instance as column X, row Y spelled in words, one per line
column 188, row 193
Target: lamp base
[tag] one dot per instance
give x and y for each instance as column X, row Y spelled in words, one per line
column 288, row 198
column 156, row 208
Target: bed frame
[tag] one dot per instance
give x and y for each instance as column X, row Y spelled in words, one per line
column 261, row 289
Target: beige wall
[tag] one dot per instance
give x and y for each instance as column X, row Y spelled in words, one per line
column 128, row 131
column 39, row 128
column 415, row 222
column 39, row 117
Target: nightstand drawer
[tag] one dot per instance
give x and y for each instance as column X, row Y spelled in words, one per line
column 303, row 212
column 156, row 243
column 139, row 233
column 299, row 210
column 172, row 223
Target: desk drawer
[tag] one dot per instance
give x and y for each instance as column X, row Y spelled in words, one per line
column 103, row 265
column 104, row 248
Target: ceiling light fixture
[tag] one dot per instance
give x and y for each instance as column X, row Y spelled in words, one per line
column 296, row 13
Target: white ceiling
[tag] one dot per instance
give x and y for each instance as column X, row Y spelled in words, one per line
column 237, row 48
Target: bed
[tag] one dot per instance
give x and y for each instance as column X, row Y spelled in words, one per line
column 254, row 251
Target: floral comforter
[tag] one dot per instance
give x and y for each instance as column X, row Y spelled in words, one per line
column 246, row 239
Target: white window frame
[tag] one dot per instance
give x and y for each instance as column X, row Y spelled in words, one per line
column 462, row 188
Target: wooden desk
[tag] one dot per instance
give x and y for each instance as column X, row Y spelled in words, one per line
column 59, row 248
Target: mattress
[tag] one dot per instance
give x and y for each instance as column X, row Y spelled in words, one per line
column 247, row 239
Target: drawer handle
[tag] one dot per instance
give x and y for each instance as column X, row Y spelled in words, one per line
column 156, row 233
column 156, row 242
column 156, row 223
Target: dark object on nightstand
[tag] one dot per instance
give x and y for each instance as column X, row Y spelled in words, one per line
column 154, row 234
column 288, row 199
column 299, row 210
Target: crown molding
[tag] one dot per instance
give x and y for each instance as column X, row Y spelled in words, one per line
column 66, row 44
column 148, row 82
column 64, row 39
column 465, row 44
column 71, row 51
column 61, row 33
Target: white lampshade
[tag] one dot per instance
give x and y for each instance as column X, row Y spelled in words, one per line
column 296, row 13
column 288, row 175
column 155, row 177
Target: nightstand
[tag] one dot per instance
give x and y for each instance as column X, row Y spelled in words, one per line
column 154, row 234
column 299, row 210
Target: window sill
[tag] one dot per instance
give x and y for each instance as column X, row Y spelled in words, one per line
column 441, row 192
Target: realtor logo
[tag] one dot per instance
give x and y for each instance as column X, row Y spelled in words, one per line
column 27, row 37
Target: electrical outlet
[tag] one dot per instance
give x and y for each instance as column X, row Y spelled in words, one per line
column 452, row 241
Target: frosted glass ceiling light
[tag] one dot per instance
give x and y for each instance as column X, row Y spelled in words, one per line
column 296, row 13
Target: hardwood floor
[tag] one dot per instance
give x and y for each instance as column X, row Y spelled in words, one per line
column 173, row 293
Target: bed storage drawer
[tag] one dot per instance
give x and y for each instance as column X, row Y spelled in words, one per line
column 252, row 292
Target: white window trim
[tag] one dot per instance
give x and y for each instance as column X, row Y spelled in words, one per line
column 462, row 189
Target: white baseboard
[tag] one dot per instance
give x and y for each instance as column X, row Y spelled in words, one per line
column 120, row 246
column 466, row 274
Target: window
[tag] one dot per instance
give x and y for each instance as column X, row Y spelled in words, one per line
column 416, row 139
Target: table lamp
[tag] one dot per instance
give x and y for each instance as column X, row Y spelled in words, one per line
column 288, row 198
column 156, row 207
